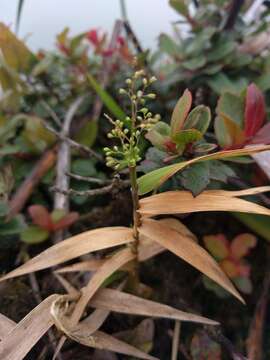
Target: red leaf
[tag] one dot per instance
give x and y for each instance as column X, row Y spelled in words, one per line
column 66, row 221
column 92, row 36
column 254, row 110
column 262, row 136
column 41, row 217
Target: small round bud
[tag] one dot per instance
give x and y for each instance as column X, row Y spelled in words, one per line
column 153, row 79
column 128, row 81
column 126, row 131
column 138, row 74
column 115, row 148
column 122, row 91
column 142, row 101
column 139, row 94
column 151, row 96
column 145, row 82
column 110, row 136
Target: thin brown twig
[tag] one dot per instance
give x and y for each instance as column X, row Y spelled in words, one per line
column 89, row 179
column 116, row 184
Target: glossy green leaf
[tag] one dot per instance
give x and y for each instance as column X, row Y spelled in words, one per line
column 199, row 118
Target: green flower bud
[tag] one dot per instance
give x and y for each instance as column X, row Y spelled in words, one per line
column 153, row 79
column 151, row 96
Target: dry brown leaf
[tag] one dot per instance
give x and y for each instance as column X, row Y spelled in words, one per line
column 187, row 250
column 58, row 310
column 147, row 249
column 118, row 301
column 87, row 265
column 179, row 202
column 6, row 325
column 100, row 340
column 28, row 331
column 73, row 247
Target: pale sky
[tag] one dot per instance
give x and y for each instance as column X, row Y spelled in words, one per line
column 43, row 19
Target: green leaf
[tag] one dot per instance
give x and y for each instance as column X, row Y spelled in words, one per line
column 153, row 160
column 221, row 83
column 233, row 107
column 263, row 82
column 217, row 245
column 34, row 235
column 3, row 209
column 195, row 178
column 83, row 167
column 87, row 134
column 35, row 136
column 14, row 51
column 199, row 118
column 258, row 223
column 12, row 227
column 200, row 41
column 181, row 6
column 194, row 63
column 180, row 112
column 220, row 50
column 186, row 137
column 154, row 179
column 220, row 171
column 106, row 98
column 57, row 215
column 228, row 132
column 159, row 134
column 169, row 46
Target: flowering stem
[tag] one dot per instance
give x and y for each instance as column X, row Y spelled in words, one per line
column 136, row 224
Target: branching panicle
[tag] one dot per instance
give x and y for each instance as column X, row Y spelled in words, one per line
column 128, row 131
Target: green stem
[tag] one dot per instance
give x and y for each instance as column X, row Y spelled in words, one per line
column 136, row 224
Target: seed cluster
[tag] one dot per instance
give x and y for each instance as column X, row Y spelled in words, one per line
column 129, row 131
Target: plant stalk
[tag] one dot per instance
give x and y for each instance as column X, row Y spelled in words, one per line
column 136, row 223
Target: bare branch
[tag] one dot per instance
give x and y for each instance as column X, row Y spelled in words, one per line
column 89, row 179
column 116, row 185
column 76, row 145
column 52, row 113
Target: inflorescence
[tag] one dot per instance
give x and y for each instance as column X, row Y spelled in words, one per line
column 128, row 132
